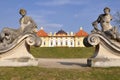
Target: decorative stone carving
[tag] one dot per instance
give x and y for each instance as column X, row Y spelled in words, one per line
column 15, row 43
column 104, row 20
column 105, row 41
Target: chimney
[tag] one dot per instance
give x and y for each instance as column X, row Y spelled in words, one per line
column 71, row 33
column 81, row 28
column 41, row 28
column 50, row 34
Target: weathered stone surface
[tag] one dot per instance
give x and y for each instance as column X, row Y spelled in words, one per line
column 19, row 62
column 103, row 62
column 105, row 41
column 107, row 52
column 19, row 50
column 15, row 43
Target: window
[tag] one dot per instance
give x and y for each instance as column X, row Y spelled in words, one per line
column 78, row 43
column 61, row 43
column 44, row 43
column 71, row 43
column 66, row 43
column 51, row 43
column 56, row 43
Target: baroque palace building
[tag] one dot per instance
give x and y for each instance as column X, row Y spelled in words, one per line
column 62, row 39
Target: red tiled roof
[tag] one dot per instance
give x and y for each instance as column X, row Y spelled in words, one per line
column 42, row 33
column 81, row 33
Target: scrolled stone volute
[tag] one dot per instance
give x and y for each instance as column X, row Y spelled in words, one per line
column 93, row 40
column 15, row 43
column 33, row 40
column 107, row 51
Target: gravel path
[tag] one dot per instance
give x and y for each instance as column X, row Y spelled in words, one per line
column 47, row 63
column 62, row 63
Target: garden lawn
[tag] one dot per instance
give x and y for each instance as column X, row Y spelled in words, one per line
column 58, row 52
column 37, row 73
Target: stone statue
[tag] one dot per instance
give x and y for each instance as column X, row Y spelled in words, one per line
column 104, row 20
column 105, row 41
column 26, row 21
column 26, row 25
column 15, row 43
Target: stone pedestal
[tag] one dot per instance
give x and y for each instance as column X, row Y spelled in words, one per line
column 15, row 43
column 18, row 52
column 103, row 62
column 19, row 62
column 107, row 52
column 106, row 41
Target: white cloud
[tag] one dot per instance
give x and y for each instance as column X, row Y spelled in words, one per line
column 61, row 2
column 41, row 15
column 38, row 19
column 42, row 22
column 77, row 15
column 45, row 12
column 53, row 25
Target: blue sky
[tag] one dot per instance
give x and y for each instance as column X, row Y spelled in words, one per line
column 54, row 15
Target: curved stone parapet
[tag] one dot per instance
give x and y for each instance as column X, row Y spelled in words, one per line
column 107, row 51
column 20, row 47
column 106, row 42
column 105, row 47
column 15, row 43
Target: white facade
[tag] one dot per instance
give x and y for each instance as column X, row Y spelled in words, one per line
column 62, row 39
column 61, row 42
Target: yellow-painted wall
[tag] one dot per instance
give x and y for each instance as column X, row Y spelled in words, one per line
column 79, row 42
column 76, row 41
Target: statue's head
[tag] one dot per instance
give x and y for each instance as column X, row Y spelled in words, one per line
column 22, row 12
column 106, row 10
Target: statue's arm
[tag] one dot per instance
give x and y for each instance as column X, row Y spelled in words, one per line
column 95, row 24
column 33, row 22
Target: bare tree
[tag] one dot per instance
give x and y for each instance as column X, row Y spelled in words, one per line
column 116, row 19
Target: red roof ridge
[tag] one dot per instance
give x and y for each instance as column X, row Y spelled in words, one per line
column 42, row 33
column 81, row 33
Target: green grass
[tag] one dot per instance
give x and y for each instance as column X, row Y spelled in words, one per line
column 37, row 73
column 65, row 52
